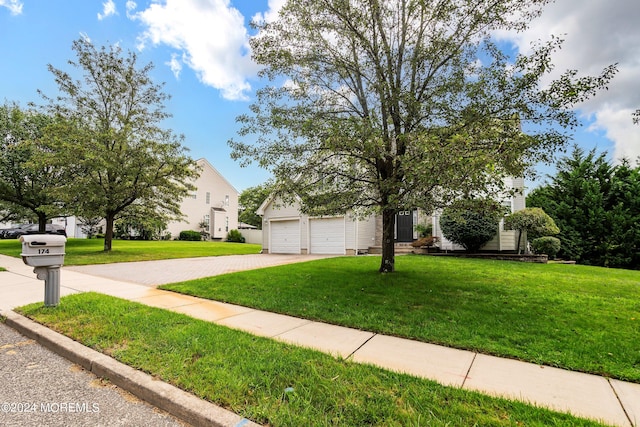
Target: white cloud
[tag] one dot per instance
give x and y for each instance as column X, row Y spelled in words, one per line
column 211, row 36
column 175, row 65
column 14, row 6
column 108, row 9
column 619, row 128
column 271, row 14
column 598, row 33
column 131, row 6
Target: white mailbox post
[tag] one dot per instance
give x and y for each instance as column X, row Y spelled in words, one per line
column 45, row 252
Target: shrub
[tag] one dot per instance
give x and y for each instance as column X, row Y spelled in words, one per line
column 472, row 222
column 190, row 235
column 425, row 241
column 235, row 236
column 533, row 221
column 546, row 245
column 424, row 230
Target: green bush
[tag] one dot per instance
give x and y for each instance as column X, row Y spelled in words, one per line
column 235, row 236
column 546, row 245
column 190, row 235
column 424, row 230
column 471, row 223
column 532, row 220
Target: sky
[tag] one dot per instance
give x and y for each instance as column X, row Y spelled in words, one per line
column 200, row 51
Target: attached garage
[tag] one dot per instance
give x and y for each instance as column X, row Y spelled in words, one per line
column 327, row 236
column 285, row 237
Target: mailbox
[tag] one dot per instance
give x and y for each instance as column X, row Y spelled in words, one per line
column 43, row 250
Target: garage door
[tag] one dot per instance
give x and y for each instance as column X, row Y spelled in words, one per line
column 285, row 237
column 327, row 236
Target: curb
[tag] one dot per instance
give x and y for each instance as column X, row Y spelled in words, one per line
column 167, row 397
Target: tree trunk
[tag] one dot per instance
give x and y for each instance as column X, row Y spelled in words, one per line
column 108, row 235
column 387, row 264
column 42, row 223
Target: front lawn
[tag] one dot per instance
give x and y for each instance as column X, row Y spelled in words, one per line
column 90, row 251
column 271, row 382
column 575, row 317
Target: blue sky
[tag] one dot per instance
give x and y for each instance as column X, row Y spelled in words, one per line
column 199, row 49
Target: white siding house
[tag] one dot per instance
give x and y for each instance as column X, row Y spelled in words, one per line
column 285, row 229
column 214, row 203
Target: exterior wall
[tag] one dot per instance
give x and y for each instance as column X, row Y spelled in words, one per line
column 252, row 236
column 358, row 234
column 72, row 227
column 504, row 240
column 214, row 197
column 366, row 233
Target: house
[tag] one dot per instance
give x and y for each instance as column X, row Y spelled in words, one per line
column 285, row 229
column 213, row 205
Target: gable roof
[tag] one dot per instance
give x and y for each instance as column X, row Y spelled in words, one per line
column 202, row 162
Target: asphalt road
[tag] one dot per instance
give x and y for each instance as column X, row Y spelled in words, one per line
column 40, row 388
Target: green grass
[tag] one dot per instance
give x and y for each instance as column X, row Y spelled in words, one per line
column 90, row 251
column 250, row 375
column 574, row 317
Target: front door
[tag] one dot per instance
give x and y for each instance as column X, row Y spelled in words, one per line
column 404, row 226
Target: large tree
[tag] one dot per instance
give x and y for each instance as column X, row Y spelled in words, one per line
column 29, row 183
column 390, row 105
column 112, row 131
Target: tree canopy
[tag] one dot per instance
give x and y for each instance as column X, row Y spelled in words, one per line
column 249, row 202
column 29, row 183
column 388, row 105
column 111, row 129
column 596, row 206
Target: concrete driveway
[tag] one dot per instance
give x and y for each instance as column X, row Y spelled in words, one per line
column 154, row 273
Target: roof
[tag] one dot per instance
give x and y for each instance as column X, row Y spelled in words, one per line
column 204, row 162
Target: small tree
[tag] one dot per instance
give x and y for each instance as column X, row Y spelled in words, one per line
column 90, row 226
column 111, row 132
column 532, row 222
column 471, row 223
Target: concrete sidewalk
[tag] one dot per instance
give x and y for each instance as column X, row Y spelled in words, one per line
column 610, row 401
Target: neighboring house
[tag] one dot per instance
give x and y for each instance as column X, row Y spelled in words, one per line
column 286, row 230
column 214, row 204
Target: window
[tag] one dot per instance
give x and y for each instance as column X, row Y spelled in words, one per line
column 508, row 204
column 192, row 195
column 208, row 198
column 226, row 200
column 207, row 219
column 226, row 223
